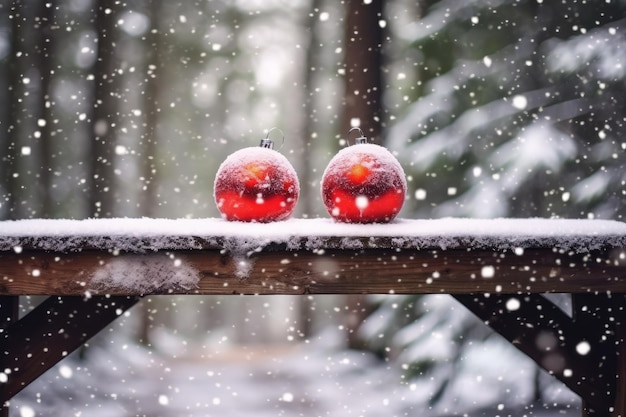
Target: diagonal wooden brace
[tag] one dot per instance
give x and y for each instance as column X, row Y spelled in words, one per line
column 55, row 328
column 601, row 317
column 574, row 353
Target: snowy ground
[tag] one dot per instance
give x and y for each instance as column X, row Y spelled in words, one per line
column 118, row 379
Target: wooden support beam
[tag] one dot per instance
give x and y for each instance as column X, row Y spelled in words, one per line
column 551, row 338
column 620, row 341
column 601, row 317
column 328, row 271
column 9, row 313
column 54, row 329
column 9, row 308
column 134, row 257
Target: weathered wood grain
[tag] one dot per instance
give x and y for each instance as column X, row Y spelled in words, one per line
column 331, row 271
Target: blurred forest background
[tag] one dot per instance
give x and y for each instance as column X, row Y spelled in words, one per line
column 494, row 108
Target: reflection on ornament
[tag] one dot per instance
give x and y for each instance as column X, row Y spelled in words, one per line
column 256, row 184
column 363, row 183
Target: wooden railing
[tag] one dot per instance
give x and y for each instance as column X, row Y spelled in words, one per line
column 94, row 270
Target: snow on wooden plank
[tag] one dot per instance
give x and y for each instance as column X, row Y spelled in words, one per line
column 310, row 256
column 143, row 234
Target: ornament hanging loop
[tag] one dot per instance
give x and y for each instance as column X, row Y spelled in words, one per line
column 361, row 139
column 268, row 143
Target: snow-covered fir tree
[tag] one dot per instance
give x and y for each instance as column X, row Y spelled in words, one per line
column 514, row 108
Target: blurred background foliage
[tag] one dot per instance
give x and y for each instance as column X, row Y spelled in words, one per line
column 494, row 108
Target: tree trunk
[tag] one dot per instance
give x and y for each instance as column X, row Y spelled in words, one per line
column 363, row 60
column 5, row 121
column 104, row 118
column 25, row 143
column 13, row 127
column 363, row 65
column 151, row 103
column 308, row 185
column 44, row 51
column 147, row 163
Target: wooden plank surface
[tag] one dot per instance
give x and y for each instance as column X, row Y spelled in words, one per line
column 122, row 258
column 146, row 235
column 331, row 271
column 212, row 256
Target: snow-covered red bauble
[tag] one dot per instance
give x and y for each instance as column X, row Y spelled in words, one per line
column 256, row 184
column 363, row 183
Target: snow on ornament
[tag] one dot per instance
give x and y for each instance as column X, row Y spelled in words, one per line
column 363, row 183
column 256, row 184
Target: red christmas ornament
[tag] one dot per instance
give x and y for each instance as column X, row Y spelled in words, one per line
column 256, row 184
column 363, row 183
